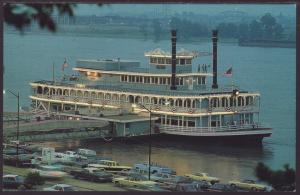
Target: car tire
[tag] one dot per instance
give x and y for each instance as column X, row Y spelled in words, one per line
column 233, row 185
column 254, row 189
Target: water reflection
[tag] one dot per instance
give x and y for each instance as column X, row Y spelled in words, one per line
column 223, row 161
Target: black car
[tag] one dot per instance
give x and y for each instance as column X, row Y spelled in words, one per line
column 185, row 187
column 219, row 187
column 15, row 182
column 92, row 175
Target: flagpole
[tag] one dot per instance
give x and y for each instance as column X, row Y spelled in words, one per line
column 53, row 72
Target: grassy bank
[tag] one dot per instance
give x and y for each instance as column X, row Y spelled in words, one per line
column 67, row 180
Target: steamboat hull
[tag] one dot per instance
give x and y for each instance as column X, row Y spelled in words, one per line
column 232, row 139
column 238, row 138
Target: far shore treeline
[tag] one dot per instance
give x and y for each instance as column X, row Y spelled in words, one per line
column 265, row 27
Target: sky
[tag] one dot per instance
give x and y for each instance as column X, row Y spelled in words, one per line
column 212, row 9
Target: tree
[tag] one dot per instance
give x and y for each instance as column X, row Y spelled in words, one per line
column 282, row 180
column 256, row 30
column 22, row 15
column 278, row 31
column 268, row 22
column 228, row 30
column 243, row 30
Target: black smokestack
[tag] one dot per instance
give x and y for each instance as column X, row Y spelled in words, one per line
column 173, row 79
column 215, row 58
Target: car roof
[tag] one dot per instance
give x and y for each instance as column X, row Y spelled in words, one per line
column 63, row 185
column 107, row 161
column 92, row 169
column 10, row 175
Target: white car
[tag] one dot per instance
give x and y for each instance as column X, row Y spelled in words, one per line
column 49, row 172
column 60, row 187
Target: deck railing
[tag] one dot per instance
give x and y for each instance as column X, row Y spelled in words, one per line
column 154, row 107
column 230, row 129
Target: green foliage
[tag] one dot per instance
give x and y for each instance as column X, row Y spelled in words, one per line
column 22, row 15
column 281, row 179
column 187, row 29
column 265, row 28
column 34, row 179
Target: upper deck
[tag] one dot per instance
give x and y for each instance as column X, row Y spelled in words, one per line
column 222, row 91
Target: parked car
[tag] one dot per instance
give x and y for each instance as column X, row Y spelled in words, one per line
column 87, row 152
column 60, row 187
column 202, row 185
column 92, row 175
column 109, row 165
column 185, row 187
column 74, row 156
column 162, row 177
column 203, row 177
column 154, row 168
column 49, row 172
column 155, row 188
column 182, row 179
column 249, row 185
column 134, row 180
column 15, row 182
column 219, row 187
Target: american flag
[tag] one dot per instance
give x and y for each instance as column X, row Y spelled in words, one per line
column 65, row 65
column 228, row 73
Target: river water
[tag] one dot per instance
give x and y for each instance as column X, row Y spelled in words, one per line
column 271, row 71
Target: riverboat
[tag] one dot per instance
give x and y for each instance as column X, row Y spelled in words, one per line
column 182, row 103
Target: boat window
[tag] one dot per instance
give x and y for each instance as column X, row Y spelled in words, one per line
column 184, row 123
column 191, row 123
column 137, row 79
column 158, row 121
column 232, row 102
column 181, row 81
column 153, row 60
column 177, row 61
column 160, row 61
column 174, row 122
column 177, row 81
column 168, row 81
column 146, row 79
column 156, row 80
column 160, row 81
column 188, row 61
column 168, row 61
column 163, row 80
column 180, row 122
column 182, row 61
column 224, row 102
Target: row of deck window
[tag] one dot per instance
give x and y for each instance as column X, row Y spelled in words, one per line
column 158, row 60
column 176, row 122
column 150, row 80
column 178, row 102
column 158, row 80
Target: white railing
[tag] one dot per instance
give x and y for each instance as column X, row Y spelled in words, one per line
column 154, row 107
column 213, row 130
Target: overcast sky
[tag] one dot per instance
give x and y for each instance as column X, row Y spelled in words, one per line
column 258, row 9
